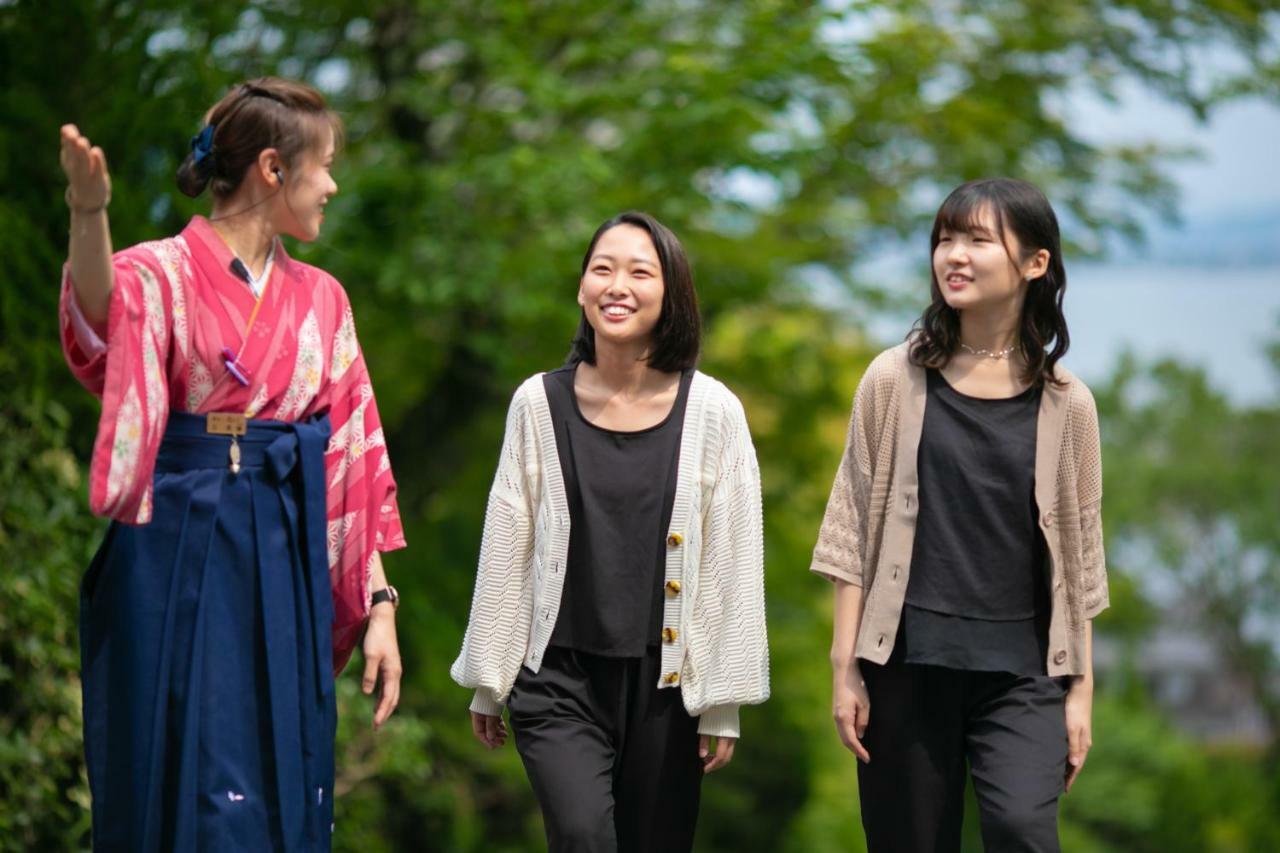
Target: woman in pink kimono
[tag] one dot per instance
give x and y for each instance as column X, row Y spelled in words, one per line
column 241, row 458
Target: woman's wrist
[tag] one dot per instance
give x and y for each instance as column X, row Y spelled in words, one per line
column 82, row 209
column 844, row 662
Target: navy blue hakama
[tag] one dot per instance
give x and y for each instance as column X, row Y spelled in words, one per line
column 205, row 647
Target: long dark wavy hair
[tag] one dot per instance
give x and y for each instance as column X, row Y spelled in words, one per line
column 677, row 338
column 1024, row 211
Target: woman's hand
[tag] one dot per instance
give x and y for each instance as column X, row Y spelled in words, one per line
column 86, row 169
column 382, row 658
column 851, row 708
column 489, row 730
column 722, row 755
column 89, row 252
column 1079, row 711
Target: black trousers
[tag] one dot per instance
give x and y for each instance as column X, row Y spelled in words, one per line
column 927, row 722
column 613, row 760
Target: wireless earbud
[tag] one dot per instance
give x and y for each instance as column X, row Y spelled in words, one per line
column 279, row 175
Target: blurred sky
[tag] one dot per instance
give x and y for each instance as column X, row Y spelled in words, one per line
column 1208, row 290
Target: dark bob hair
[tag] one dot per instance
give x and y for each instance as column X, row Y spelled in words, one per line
column 1024, row 211
column 677, row 338
column 269, row 112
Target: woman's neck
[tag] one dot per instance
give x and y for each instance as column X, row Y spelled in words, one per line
column 248, row 235
column 624, row 369
column 992, row 328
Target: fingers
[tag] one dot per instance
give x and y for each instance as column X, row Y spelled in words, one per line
column 489, row 730
column 370, row 679
column 1072, row 773
column 723, row 754
column 851, row 739
column 97, row 161
column 851, row 725
column 1079, row 742
column 478, row 728
column 497, row 731
column 74, row 152
column 84, row 164
column 390, row 696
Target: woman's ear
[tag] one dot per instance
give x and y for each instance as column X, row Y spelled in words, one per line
column 270, row 167
column 1037, row 266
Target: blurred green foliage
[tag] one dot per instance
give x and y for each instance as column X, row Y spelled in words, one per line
column 783, row 141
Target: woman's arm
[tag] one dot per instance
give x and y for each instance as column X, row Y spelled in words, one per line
column 851, row 706
column 382, row 651
column 88, row 194
column 1079, row 711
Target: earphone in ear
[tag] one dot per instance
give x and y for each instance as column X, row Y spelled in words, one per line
column 279, row 175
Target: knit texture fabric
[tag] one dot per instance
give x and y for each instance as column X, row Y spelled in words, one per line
column 716, row 651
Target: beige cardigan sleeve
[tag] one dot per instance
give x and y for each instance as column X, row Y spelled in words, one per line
column 842, row 540
column 1088, row 445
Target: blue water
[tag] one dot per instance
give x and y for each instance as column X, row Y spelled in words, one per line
column 1219, row 318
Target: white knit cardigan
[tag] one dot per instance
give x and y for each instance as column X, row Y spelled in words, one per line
column 716, row 652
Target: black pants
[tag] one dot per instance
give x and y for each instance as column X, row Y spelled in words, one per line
column 613, row 760
column 926, row 721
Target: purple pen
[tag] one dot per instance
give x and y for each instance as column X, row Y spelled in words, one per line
column 237, row 370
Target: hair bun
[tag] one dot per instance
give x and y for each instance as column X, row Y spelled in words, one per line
column 193, row 177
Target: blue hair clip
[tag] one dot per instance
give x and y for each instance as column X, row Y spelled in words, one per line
column 202, row 143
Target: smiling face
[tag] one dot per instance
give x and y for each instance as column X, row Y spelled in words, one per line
column 976, row 265
column 306, row 189
column 621, row 289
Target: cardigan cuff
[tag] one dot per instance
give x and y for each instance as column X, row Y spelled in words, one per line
column 485, row 703
column 834, row 573
column 719, row 721
column 1095, row 606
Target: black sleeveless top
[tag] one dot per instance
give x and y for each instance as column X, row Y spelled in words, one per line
column 620, row 487
column 978, row 596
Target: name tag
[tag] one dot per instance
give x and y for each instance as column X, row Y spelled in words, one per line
column 226, row 423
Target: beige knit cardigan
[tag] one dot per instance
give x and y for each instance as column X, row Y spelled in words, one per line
column 869, row 528
column 715, row 649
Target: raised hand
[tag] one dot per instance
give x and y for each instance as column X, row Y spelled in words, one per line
column 86, row 168
column 88, row 192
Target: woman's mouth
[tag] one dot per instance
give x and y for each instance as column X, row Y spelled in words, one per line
column 616, row 313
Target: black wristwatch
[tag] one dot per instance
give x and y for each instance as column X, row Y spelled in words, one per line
column 383, row 595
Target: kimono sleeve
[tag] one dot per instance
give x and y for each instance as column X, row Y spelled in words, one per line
column 128, row 375
column 363, row 515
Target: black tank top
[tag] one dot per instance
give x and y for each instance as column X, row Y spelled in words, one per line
column 620, row 488
column 978, row 593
